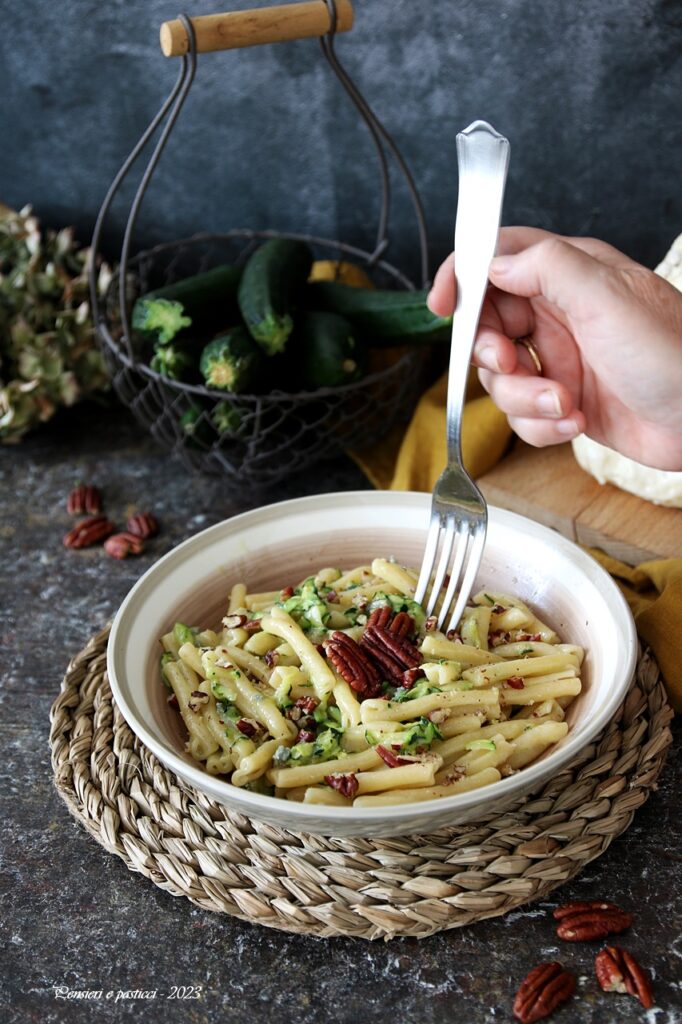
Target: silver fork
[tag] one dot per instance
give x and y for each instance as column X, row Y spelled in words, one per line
column 459, row 516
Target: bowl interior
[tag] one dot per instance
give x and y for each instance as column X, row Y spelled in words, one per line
column 278, row 545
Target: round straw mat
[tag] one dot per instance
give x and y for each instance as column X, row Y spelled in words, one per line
column 365, row 888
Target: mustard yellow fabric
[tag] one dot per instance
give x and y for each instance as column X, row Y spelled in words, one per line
column 413, row 459
column 654, row 592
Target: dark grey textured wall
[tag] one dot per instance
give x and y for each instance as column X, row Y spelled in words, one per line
column 588, row 91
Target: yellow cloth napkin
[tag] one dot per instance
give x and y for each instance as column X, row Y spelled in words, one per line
column 413, row 459
column 654, row 592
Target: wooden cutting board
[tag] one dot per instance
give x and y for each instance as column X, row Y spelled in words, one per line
column 548, row 485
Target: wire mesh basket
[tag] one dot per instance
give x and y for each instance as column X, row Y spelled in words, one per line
column 254, row 439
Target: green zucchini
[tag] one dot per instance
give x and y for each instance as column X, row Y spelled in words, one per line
column 171, row 361
column 226, row 418
column 205, row 301
column 195, row 427
column 324, row 351
column 268, row 290
column 383, row 318
column 232, row 362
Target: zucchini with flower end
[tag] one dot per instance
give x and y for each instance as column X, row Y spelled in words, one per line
column 232, row 362
column 383, row 318
column 204, row 301
column 171, row 361
column 195, row 425
column 325, row 351
column 226, row 419
column 160, row 318
column 269, row 288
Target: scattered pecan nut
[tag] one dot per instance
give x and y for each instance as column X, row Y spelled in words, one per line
column 545, row 988
column 120, row 545
column 248, row 727
column 88, row 532
column 347, row 784
column 410, row 677
column 391, row 759
column 583, row 921
column 305, row 736
column 353, row 665
column 306, row 704
column 234, row 621
column 618, row 971
column 144, row 525
column 197, row 699
column 84, row 500
column 516, row 682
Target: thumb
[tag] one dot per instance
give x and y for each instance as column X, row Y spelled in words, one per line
column 564, row 275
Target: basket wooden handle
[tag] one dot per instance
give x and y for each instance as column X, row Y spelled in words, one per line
column 236, row 29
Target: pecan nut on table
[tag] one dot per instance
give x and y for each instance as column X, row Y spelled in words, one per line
column 546, row 987
column 618, row 971
column 584, row 921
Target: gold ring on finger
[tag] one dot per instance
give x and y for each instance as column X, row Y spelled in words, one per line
column 532, row 352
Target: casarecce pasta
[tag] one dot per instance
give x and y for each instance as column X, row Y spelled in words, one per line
column 340, row 691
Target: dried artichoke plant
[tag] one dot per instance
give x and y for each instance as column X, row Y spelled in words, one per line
column 48, row 355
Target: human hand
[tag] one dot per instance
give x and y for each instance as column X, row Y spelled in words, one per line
column 609, row 336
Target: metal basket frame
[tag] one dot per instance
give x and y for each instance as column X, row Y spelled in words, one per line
column 248, row 454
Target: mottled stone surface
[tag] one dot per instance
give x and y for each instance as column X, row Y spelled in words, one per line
column 75, row 917
column 588, row 94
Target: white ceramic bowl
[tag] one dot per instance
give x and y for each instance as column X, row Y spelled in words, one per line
column 277, row 545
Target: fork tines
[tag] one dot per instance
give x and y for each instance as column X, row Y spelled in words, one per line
column 448, row 533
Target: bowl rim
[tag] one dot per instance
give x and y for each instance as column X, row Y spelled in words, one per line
column 261, row 806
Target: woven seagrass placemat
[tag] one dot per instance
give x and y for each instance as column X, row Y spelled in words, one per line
column 365, row 888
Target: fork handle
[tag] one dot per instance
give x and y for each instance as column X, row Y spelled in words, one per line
column 483, row 160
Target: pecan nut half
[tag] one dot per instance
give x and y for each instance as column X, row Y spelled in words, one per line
column 88, row 532
column 84, row 500
column 411, row 676
column 144, row 525
column 618, row 971
column 402, row 625
column 585, row 921
column 392, row 652
column 545, row 988
column 120, row 545
column 353, row 665
column 380, row 617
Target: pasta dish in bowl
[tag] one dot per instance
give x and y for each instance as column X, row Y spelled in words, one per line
column 312, row 692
